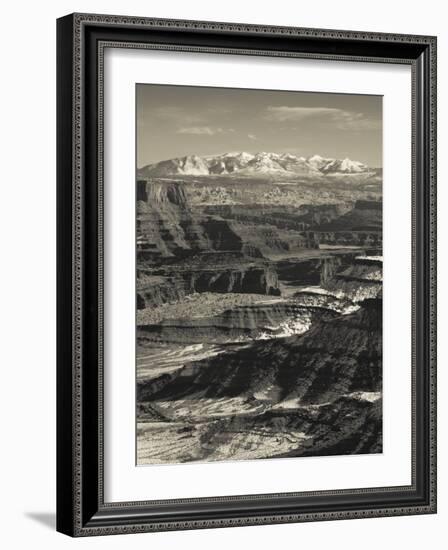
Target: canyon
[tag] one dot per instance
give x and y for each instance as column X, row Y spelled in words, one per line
column 259, row 308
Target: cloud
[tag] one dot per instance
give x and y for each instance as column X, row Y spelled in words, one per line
column 203, row 130
column 297, row 113
column 174, row 114
column 182, row 115
column 339, row 118
column 252, row 136
column 357, row 122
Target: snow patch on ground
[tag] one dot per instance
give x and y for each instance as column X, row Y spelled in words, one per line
column 369, row 396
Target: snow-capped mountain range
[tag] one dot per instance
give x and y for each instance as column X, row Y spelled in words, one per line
column 248, row 164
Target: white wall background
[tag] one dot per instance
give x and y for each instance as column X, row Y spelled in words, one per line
column 27, row 274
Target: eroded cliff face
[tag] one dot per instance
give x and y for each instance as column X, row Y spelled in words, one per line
column 281, row 216
column 313, row 271
column 188, row 252
column 364, row 216
column 336, row 356
column 361, row 225
column 156, row 291
column 240, row 247
column 167, row 225
column 243, row 278
column 367, row 239
column 238, row 325
column 360, row 280
column 289, row 389
column 230, row 273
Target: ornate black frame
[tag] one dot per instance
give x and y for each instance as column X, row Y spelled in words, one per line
column 81, row 39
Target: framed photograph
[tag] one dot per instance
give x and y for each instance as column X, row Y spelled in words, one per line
column 246, row 274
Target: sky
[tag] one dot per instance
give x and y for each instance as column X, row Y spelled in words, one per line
column 174, row 121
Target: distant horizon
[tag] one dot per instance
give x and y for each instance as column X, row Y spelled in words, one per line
column 177, row 121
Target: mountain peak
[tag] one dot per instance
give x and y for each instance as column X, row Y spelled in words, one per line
column 316, row 157
column 246, row 164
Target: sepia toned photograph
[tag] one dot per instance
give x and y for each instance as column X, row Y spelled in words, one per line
column 258, row 274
